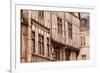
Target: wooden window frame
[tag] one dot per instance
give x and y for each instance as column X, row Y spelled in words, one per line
column 48, row 46
column 59, row 23
column 41, row 14
column 82, row 40
column 33, row 42
column 70, row 30
column 57, row 53
column 41, row 44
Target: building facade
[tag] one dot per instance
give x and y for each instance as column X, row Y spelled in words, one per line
column 85, row 39
column 49, row 36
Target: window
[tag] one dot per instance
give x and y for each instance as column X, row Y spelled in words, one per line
column 33, row 42
column 70, row 30
column 56, row 53
column 74, row 56
column 41, row 44
column 83, row 57
column 41, row 14
column 83, row 23
column 48, row 47
column 59, row 23
column 67, row 54
column 82, row 40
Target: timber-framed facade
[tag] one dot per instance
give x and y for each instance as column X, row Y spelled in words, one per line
column 49, row 36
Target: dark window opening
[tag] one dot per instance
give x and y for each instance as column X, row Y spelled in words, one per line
column 70, row 30
column 33, row 41
column 59, row 23
column 41, row 44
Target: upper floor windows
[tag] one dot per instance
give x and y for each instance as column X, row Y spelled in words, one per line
column 83, row 23
column 41, row 44
column 70, row 30
column 41, row 14
column 59, row 23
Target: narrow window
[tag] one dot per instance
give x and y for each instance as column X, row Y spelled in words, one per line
column 82, row 40
column 41, row 14
column 59, row 23
column 48, row 46
column 70, row 30
column 41, row 44
column 83, row 57
column 33, row 41
column 67, row 54
column 57, row 53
